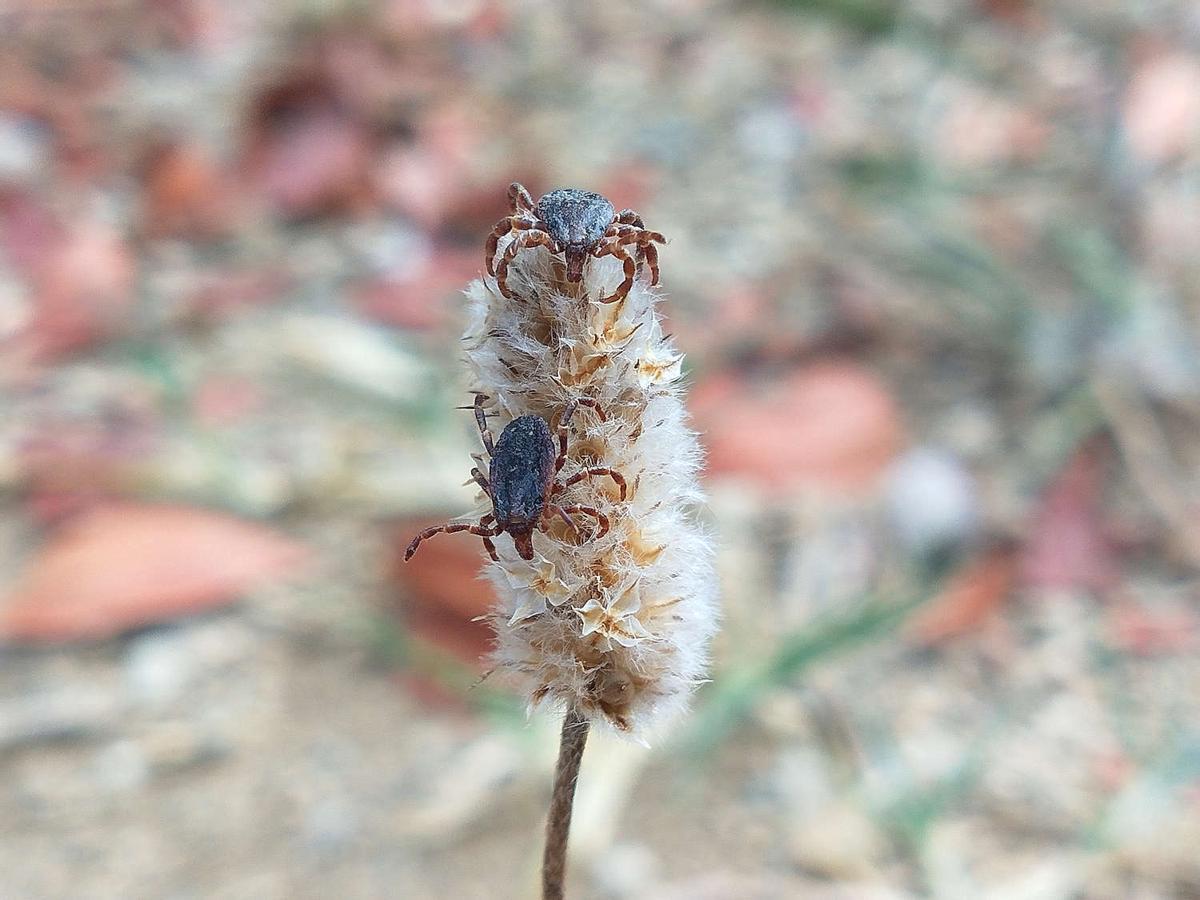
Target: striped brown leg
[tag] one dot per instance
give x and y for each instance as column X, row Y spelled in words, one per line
column 532, row 238
column 487, row 538
column 552, row 510
column 564, row 423
column 613, row 247
column 590, row 404
column 645, row 241
column 646, row 250
column 591, row 511
column 619, row 232
column 490, row 548
column 478, row 529
column 642, row 236
column 503, row 227
column 519, row 200
column 652, row 258
column 481, row 422
column 616, row 476
column 628, row 235
column 480, row 479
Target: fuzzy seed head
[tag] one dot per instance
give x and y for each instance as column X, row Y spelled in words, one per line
column 616, row 626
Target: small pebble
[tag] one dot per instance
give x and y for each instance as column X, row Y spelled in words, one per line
column 932, row 501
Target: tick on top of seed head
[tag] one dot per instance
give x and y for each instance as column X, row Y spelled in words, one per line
column 577, row 224
column 523, row 482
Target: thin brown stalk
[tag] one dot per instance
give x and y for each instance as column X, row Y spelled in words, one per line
column 558, row 823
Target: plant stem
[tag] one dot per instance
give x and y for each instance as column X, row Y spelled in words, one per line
column 558, row 823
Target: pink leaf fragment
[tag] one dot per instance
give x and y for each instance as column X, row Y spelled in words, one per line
column 831, row 424
column 1162, row 106
column 126, row 566
column 1067, row 546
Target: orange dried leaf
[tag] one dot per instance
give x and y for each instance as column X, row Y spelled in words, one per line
column 125, row 566
column 973, row 595
column 831, row 424
column 185, row 193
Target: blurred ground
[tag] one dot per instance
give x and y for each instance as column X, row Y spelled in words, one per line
column 937, row 269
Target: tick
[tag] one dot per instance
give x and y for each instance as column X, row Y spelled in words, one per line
column 522, row 481
column 576, row 224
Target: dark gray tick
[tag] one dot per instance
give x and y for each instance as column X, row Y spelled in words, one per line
column 577, row 224
column 522, row 481
column 576, row 220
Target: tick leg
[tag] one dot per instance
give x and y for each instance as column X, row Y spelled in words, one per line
column 523, row 543
column 565, row 421
column 613, row 247
column 490, row 548
column 628, row 234
column 652, row 258
column 503, row 227
column 591, row 511
column 481, row 421
column 518, row 198
column 616, row 476
column 640, row 236
column 574, row 404
column 492, row 531
column 480, row 529
column 618, row 228
column 628, row 224
column 564, row 424
column 562, row 435
column 552, row 510
column 481, row 480
column 645, row 241
column 629, row 217
column 532, row 238
column 591, row 404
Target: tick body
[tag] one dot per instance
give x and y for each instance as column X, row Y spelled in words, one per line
column 522, row 482
column 577, row 224
column 577, row 220
column 522, row 475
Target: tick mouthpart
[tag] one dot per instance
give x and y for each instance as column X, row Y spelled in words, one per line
column 575, row 257
column 523, row 541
